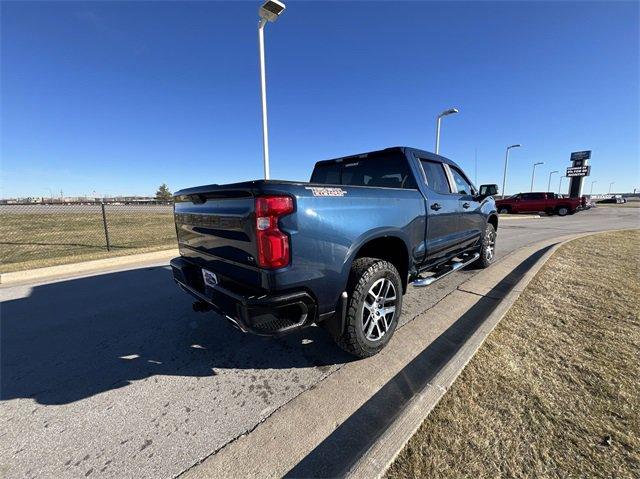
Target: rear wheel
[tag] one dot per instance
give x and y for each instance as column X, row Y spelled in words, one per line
column 562, row 211
column 375, row 303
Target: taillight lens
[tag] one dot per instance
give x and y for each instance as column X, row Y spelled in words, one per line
column 273, row 244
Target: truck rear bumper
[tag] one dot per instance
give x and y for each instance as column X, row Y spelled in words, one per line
column 265, row 315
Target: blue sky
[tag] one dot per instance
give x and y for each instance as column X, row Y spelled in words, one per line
column 118, row 97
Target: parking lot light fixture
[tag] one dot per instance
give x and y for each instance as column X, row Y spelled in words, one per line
column 450, row 111
column 269, row 12
column 610, row 185
column 549, row 184
column 506, row 163
column 592, row 183
column 533, row 174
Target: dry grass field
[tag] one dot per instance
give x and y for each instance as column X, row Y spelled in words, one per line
column 553, row 392
column 36, row 238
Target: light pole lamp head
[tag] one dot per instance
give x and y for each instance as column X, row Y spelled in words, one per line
column 271, row 10
column 554, row 171
column 450, row 111
column 539, row 163
column 518, row 145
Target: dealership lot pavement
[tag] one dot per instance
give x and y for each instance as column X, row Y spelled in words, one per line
column 114, row 376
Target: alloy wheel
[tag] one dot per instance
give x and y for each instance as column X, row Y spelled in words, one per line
column 491, row 245
column 378, row 309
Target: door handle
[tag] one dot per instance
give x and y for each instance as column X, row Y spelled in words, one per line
column 436, row 206
column 465, row 205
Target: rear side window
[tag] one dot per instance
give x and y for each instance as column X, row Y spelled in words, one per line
column 436, row 177
column 381, row 171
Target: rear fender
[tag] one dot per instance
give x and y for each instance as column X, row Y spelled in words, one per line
column 369, row 236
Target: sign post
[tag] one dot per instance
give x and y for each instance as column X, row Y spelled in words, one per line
column 577, row 171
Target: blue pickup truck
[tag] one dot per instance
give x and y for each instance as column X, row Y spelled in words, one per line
column 340, row 251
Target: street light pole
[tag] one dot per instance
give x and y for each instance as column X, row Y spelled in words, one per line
column 592, row 183
column 476, row 167
column 549, row 184
column 450, row 111
column 610, row 185
column 506, row 163
column 269, row 12
column 534, row 172
column 560, row 184
column 263, row 91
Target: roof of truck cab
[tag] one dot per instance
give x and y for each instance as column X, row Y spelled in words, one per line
column 427, row 155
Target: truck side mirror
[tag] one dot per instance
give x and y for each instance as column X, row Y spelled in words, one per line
column 488, row 190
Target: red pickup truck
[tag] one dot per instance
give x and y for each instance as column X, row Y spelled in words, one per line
column 549, row 203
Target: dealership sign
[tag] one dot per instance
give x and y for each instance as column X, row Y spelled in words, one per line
column 577, row 171
column 581, row 155
column 573, row 171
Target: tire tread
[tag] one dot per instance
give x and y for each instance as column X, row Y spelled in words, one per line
column 361, row 272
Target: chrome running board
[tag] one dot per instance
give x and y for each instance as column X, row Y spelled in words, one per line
column 422, row 282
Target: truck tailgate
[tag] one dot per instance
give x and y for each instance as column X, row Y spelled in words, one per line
column 216, row 231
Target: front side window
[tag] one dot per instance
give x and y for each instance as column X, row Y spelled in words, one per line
column 462, row 185
column 436, row 177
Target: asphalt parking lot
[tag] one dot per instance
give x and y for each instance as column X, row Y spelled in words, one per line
column 114, row 376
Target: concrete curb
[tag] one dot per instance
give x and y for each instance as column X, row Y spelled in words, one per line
column 376, row 461
column 518, row 217
column 85, row 267
column 354, row 423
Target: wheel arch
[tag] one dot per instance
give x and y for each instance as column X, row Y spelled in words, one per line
column 389, row 247
column 493, row 220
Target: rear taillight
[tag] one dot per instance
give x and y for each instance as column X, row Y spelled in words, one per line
column 273, row 244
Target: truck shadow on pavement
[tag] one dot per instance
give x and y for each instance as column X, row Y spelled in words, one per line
column 70, row 340
column 337, row 454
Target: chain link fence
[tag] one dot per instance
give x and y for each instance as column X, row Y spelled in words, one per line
column 37, row 235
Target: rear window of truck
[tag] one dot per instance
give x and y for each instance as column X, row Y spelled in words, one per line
column 380, row 171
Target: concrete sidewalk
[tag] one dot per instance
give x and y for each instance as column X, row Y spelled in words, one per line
column 356, row 420
column 85, row 267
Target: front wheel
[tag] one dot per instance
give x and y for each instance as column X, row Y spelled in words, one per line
column 504, row 210
column 375, row 303
column 487, row 248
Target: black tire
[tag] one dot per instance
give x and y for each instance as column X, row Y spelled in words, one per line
column 365, row 274
column 504, row 210
column 487, row 255
column 562, row 210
